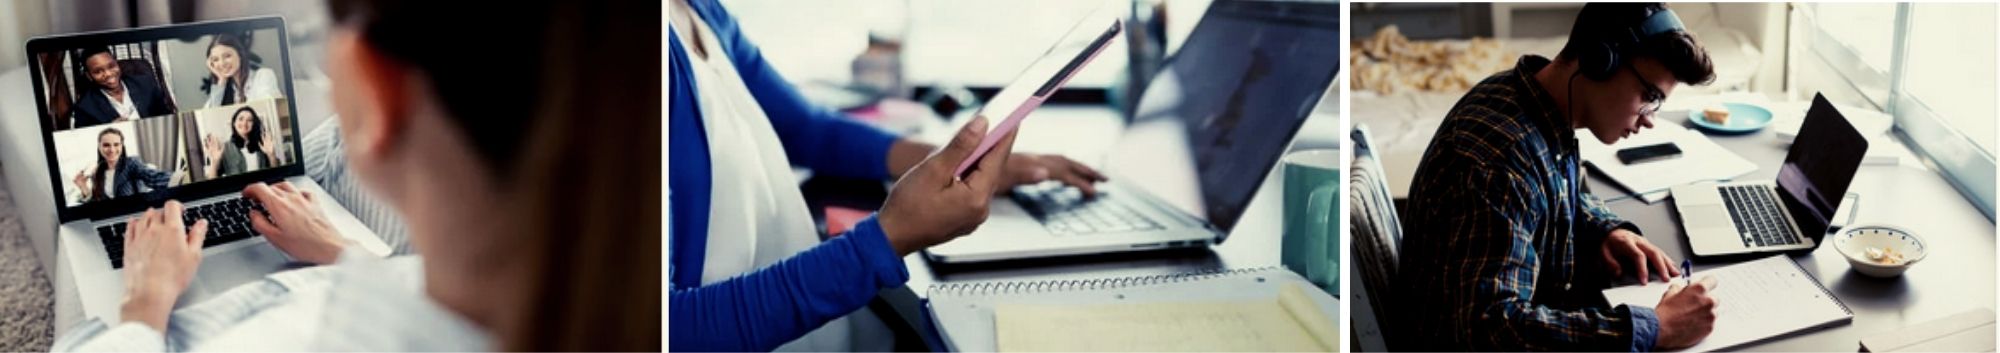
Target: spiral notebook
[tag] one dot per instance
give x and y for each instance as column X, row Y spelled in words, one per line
column 1755, row 301
column 1262, row 309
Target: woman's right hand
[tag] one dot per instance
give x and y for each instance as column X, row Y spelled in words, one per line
column 929, row 205
column 292, row 221
column 83, row 181
column 211, row 148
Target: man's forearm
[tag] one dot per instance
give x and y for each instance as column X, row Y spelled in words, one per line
column 905, row 154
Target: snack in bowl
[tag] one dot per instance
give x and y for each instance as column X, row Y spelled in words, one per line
column 1880, row 250
column 1885, row 256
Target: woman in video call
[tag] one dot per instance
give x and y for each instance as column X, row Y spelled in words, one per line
column 114, row 95
column 531, row 233
column 235, row 75
column 250, row 147
column 114, row 175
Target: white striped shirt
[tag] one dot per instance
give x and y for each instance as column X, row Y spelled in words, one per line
column 360, row 303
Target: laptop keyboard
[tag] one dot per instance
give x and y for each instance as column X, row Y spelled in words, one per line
column 228, row 221
column 1064, row 211
column 1759, row 221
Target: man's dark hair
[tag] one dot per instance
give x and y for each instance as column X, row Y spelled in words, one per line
column 91, row 51
column 1613, row 22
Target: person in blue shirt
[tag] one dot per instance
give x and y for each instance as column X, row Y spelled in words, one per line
column 746, row 269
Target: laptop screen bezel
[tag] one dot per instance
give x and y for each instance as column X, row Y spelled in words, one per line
column 191, row 191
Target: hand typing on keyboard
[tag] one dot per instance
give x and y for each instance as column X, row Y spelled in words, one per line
column 161, row 255
column 1029, row 169
column 292, row 221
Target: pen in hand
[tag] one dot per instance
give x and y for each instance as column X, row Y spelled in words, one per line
column 1687, row 271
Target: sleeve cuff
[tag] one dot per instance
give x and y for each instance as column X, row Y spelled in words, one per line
column 872, row 244
column 1645, row 328
column 1626, row 225
column 95, row 336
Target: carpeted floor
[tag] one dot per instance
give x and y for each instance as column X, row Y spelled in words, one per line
column 27, row 312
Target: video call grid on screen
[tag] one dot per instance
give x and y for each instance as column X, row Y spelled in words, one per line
column 186, row 104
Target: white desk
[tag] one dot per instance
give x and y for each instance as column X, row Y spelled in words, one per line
column 1957, row 276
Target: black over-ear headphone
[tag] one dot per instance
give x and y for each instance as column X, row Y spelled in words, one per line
column 1599, row 63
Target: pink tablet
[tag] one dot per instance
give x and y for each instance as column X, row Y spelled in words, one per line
column 1048, row 73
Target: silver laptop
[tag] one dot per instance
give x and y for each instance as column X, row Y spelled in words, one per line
column 124, row 115
column 1204, row 136
column 1792, row 213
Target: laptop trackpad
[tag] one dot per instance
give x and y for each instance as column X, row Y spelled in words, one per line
column 1707, row 216
column 222, row 271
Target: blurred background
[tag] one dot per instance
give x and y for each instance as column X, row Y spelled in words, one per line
column 909, row 64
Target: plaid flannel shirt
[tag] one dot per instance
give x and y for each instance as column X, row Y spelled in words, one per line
column 1498, row 227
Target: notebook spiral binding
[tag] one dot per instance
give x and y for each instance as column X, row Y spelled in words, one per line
column 1019, row 287
column 1822, row 288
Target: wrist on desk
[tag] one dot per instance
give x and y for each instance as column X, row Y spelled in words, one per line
column 147, row 305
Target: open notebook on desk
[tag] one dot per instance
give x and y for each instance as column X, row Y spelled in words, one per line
column 1755, row 301
column 1266, row 309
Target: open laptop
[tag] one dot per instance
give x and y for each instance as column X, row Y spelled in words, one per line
column 125, row 118
column 1791, row 213
column 1205, row 134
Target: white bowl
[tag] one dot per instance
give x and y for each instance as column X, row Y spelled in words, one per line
column 1854, row 242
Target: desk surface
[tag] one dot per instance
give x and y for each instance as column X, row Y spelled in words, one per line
column 1253, row 243
column 1957, row 276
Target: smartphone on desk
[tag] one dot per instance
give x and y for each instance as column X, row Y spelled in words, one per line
column 1041, row 79
column 1649, row 153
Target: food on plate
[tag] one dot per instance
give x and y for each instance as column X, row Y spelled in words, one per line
column 1716, row 114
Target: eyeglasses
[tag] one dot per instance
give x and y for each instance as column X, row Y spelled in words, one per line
column 1649, row 103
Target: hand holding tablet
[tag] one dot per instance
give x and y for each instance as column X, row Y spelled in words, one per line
column 1041, row 79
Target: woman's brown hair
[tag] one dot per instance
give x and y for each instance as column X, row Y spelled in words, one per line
column 97, row 179
column 561, row 100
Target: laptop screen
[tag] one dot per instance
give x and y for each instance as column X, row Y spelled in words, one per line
column 1820, row 166
column 1231, row 99
column 135, row 117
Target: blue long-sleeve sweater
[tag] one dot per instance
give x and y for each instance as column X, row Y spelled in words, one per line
column 759, row 310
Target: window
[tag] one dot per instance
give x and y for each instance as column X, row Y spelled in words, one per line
column 1931, row 66
column 1950, row 46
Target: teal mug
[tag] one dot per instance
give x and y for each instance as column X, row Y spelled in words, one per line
column 1310, row 245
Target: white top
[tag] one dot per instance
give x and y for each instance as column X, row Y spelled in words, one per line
column 756, row 214
column 110, row 178
column 122, row 103
column 251, row 160
column 361, row 303
column 260, row 84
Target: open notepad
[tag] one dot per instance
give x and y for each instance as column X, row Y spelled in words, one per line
column 1268, row 309
column 1755, row 301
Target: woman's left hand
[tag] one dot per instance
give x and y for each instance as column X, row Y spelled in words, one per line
column 1027, row 168
column 268, row 146
column 161, row 255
